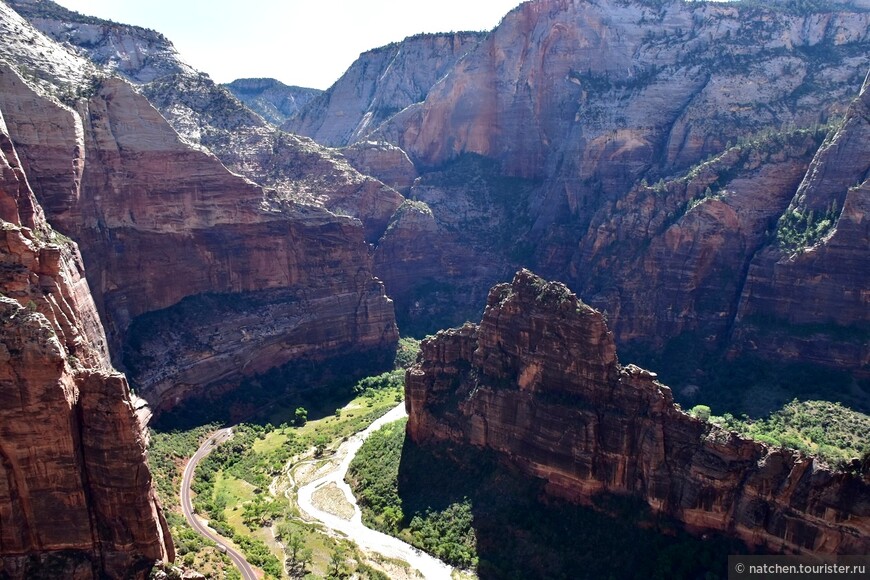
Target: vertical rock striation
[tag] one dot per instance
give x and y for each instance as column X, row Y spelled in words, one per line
column 538, row 382
column 76, row 496
column 160, row 221
column 234, row 279
column 379, row 84
column 207, row 115
column 806, row 297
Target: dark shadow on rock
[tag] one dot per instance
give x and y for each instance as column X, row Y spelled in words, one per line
column 522, row 534
column 320, row 386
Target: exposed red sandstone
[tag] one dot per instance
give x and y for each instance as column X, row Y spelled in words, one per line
column 76, row 496
column 159, row 221
column 812, row 303
column 623, row 113
column 379, row 84
column 538, row 382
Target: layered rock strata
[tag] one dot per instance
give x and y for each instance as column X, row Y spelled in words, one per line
column 807, row 299
column 671, row 145
column 270, row 98
column 208, row 116
column 160, row 221
column 538, row 382
column 76, row 496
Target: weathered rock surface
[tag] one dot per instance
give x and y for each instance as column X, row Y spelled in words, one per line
column 131, row 51
column 613, row 89
column 538, row 382
column 160, row 221
column 270, row 98
column 817, row 287
column 76, row 496
column 209, row 116
column 383, row 161
column 671, row 259
column 379, row 84
column 624, row 114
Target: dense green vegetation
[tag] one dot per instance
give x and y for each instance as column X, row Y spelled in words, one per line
column 406, row 354
column 464, row 507
column 167, row 455
column 803, row 228
column 822, row 428
column 232, row 483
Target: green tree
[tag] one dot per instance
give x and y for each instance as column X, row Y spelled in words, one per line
column 701, row 412
column 295, row 545
column 300, row 417
column 337, row 569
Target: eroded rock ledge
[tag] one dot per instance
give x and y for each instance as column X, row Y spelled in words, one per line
column 538, row 382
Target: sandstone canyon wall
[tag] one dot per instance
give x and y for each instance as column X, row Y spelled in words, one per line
column 538, row 382
column 380, row 83
column 76, row 496
column 234, row 279
column 209, row 116
column 666, row 148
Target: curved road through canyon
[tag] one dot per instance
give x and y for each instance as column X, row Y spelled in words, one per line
column 187, row 506
column 367, row 538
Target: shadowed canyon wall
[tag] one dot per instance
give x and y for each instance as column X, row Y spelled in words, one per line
column 538, row 382
column 234, row 279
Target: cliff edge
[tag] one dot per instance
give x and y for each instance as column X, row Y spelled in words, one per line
column 539, row 383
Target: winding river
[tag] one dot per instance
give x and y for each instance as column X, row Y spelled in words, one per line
column 366, row 538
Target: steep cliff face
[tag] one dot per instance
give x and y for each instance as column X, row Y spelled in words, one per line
column 613, row 89
column 76, row 497
column 813, row 281
column 272, row 99
column 451, row 242
column 160, row 221
column 379, row 84
column 667, row 143
column 538, row 382
column 209, row 116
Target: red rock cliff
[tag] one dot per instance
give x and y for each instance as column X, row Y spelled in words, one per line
column 539, row 383
column 160, row 221
column 76, row 499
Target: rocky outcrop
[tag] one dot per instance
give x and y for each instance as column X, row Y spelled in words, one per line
column 383, row 161
column 379, row 84
column 207, row 115
column 539, row 384
column 272, row 99
column 76, row 496
column 670, row 259
column 665, row 143
column 160, row 222
column 130, row 51
column 613, row 89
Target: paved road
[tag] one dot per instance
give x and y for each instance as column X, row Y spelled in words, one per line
column 366, row 538
column 187, row 506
